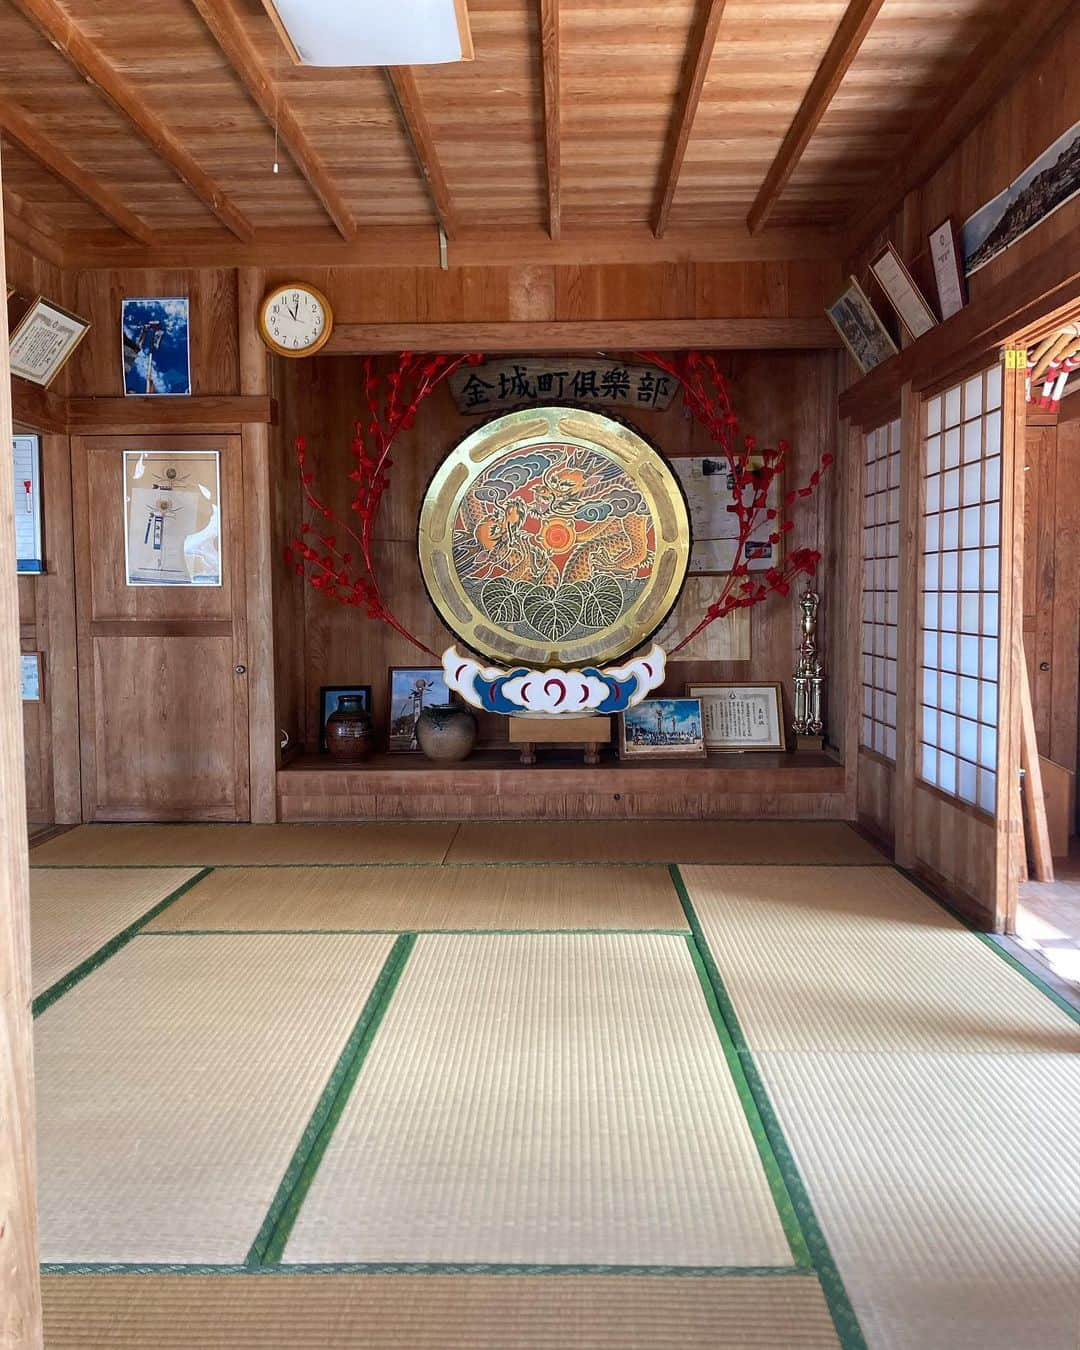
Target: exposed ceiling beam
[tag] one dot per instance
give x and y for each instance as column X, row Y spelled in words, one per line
column 842, row 50
column 242, row 54
column 977, row 85
column 698, row 55
column 414, row 119
column 25, row 132
column 89, row 60
column 549, row 48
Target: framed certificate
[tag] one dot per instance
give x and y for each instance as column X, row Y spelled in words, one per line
column 904, row 296
column 741, row 716
column 947, row 271
column 43, row 341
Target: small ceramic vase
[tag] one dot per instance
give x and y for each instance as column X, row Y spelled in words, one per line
column 446, row 731
column 348, row 730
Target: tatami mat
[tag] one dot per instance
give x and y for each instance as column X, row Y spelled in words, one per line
column 850, row 958
column 73, row 913
column 949, row 1189
column 245, row 845
column 704, row 841
column 434, row 1312
column 174, row 1083
column 559, row 1099
column 413, row 898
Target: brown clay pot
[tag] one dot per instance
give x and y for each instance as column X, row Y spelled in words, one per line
column 348, row 730
column 446, row 731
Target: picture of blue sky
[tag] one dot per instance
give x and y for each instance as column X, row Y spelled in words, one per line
column 664, row 720
column 155, row 345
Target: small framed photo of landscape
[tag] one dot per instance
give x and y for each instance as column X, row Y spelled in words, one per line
column 329, row 695
column 662, row 728
column 739, row 717
column 156, row 348
column 904, row 296
column 863, row 333
column 949, row 275
column 44, row 340
column 31, row 677
column 412, row 689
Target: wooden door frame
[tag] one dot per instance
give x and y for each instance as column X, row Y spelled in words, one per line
column 233, row 557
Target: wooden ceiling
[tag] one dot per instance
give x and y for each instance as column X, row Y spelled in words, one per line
column 156, row 122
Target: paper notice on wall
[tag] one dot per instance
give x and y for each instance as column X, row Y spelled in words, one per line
column 26, row 453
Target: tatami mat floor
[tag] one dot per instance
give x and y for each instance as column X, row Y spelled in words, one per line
column 652, row 1085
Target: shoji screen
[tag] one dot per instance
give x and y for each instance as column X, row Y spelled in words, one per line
column 881, row 563
column 961, row 538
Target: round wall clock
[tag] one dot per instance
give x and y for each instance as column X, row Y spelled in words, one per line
column 554, row 537
column 295, row 320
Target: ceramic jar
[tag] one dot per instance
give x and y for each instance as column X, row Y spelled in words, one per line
column 348, row 730
column 446, row 731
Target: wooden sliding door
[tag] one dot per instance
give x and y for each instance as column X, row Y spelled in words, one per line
column 162, row 667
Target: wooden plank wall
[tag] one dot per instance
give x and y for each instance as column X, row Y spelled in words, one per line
column 789, row 395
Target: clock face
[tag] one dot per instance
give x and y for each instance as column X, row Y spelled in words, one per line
column 295, row 320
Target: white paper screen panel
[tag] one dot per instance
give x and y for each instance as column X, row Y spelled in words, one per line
column 961, row 546
column 881, row 576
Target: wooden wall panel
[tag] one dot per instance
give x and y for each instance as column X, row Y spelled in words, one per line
column 788, row 395
column 875, row 803
column 956, row 852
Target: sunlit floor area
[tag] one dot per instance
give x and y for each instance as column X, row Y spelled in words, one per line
column 1048, row 918
column 675, row 1084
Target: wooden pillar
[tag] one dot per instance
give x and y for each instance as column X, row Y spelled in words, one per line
column 849, row 523
column 908, row 626
column 20, row 1291
column 62, row 665
column 1008, row 813
column 255, row 438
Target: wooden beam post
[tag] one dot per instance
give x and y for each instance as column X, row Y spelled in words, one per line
column 908, row 626
column 549, row 48
column 842, row 50
column 242, row 54
column 406, row 92
column 1038, row 831
column 696, row 66
column 849, row 525
column 258, row 513
column 57, row 25
column 20, row 1290
column 1008, row 812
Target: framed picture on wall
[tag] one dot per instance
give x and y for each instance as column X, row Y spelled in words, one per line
column 172, row 517
column 412, row 689
column 660, row 728
column 26, row 457
column 945, row 255
column 44, row 340
column 31, row 677
column 904, row 296
column 741, row 716
column 328, row 703
column 863, row 333
column 155, row 345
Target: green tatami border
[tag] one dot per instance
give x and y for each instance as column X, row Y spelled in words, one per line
column 836, row 1296
column 274, row 1231
column 419, row 1268
column 504, row 862
column 79, row 973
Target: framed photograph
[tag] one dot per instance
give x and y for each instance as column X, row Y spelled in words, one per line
column 660, row 728
column 26, row 454
column 707, row 482
column 43, row 340
column 904, row 296
column 1043, row 188
column 328, row 702
column 741, row 716
column 155, row 344
column 172, row 517
column 863, row 333
column 945, row 254
column 31, row 676
column 412, row 689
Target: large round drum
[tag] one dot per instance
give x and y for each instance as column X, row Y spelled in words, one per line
column 554, row 537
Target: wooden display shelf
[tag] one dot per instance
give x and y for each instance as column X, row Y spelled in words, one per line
column 492, row 785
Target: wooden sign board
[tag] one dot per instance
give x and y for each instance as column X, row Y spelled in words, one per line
column 496, row 386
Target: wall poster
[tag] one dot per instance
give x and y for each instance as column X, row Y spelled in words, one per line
column 172, row 517
column 709, row 486
column 26, row 452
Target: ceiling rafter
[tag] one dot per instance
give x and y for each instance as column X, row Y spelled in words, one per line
column 404, row 88
column 17, row 126
column 849, row 36
column 552, row 79
column 695, row 67
column 67, row 37
column 981, row 80
column 228, row 32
